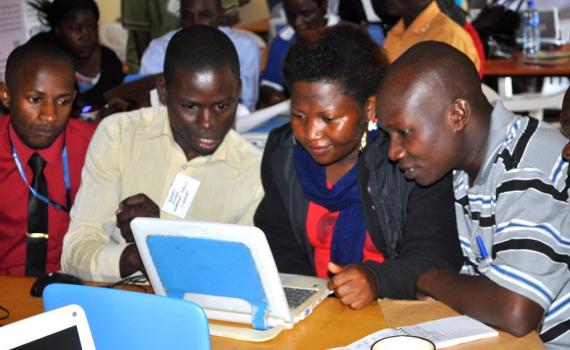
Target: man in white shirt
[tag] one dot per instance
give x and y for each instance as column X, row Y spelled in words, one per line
column 136, row 159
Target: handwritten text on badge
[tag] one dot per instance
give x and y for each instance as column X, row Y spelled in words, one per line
column 180, row 195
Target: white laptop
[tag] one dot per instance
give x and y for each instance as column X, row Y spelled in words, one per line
column 229, row 271
column 65, row 328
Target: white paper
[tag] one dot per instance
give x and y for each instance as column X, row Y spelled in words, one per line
column 255, row 119
column 180, row 195
column 451, row 331
column 444, row 332
column 18, row 22
column 12, row 30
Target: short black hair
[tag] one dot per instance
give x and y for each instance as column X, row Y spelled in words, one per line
column 52, row 13
column 34, row 48
column 449, row 70
column 199, row 48
column 343, row 54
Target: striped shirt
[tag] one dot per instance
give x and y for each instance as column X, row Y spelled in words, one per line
column 518, row 209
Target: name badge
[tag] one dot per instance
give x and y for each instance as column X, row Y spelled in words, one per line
column 180, row 195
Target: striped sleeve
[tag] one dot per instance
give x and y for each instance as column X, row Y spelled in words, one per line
column 531, row 249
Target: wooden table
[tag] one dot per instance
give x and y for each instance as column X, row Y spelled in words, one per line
column 331, row 324
column 516, row 65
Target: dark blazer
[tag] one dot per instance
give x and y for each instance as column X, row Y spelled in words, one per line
column 413, row 227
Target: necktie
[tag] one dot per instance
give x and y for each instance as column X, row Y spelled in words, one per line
column 36, row 240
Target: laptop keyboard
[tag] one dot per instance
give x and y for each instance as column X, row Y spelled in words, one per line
column 297, row 296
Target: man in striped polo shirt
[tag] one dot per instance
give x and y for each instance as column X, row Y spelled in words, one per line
column 511, row 188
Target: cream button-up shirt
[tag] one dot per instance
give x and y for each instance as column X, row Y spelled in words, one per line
column 135, row 152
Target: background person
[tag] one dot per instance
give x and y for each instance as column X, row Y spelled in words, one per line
column 74, row 27
column 422, row 20
column 302, row 17
column 146, row 20
column 211, row 13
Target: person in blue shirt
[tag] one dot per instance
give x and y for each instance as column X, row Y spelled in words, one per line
column 302, row 16
column 210, row 12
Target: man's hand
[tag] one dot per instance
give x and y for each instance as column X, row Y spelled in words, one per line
column 132, row 207
column 481, row 298
column 353, row 285
column 116, row 105
column 130, row 261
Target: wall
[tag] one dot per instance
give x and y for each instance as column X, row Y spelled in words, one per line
column 254, row 11
column 110, row 10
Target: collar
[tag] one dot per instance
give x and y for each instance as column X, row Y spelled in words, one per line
column 287, row 33
column 51, row 154
column 332, row 19
column 158, row 124
column 227, row 152
column 421, row 23
column 503, row 128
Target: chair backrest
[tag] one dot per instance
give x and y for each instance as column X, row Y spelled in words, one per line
column 534, row 103
column 491, row 94
column 131, row 320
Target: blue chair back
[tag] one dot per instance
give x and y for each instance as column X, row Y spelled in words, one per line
column 131, row 320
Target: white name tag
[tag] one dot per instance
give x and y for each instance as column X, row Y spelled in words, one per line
column 180, row 195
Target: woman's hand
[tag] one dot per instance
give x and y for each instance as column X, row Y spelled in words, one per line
column 354, row 285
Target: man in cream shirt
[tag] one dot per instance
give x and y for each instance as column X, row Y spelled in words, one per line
column 138, row 159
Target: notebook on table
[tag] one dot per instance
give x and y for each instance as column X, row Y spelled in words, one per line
column 229, row 271
column 65, row 328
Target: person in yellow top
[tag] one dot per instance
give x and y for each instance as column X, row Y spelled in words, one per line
column 422, row 20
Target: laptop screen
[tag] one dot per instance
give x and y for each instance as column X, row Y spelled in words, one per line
column 66, row 339
column 65, row 328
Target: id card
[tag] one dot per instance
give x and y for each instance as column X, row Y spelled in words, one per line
column 180, row 195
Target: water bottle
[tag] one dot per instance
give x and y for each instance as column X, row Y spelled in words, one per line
column 531, row 29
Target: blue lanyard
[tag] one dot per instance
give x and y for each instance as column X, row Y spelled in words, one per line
column 38, row 195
